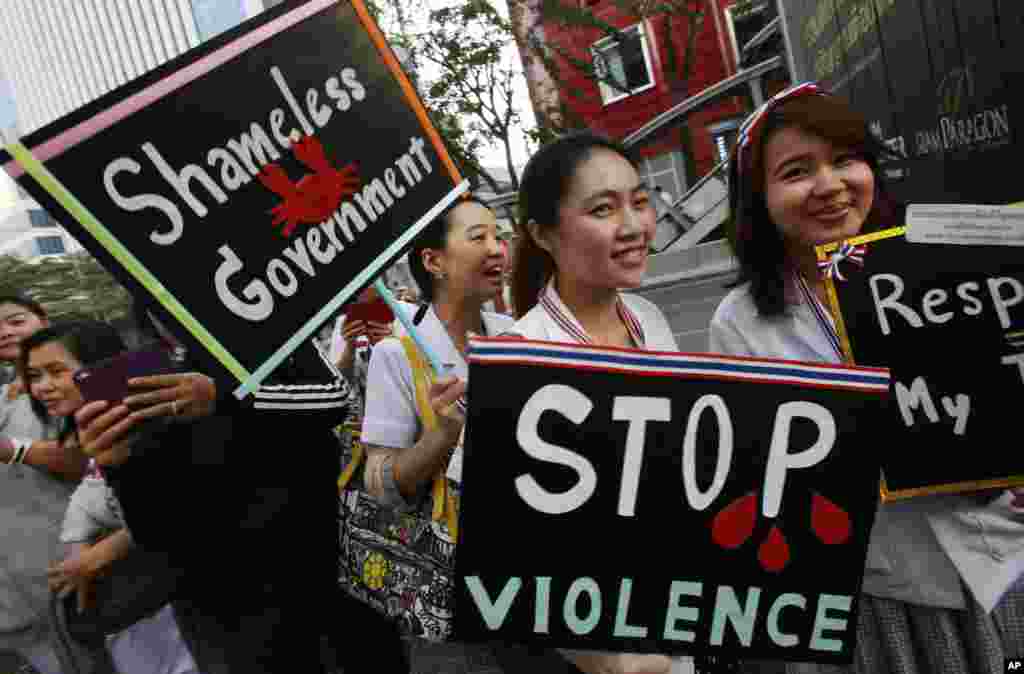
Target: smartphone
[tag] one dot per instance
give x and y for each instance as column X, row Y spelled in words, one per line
column 376, row 311
column 108, row 379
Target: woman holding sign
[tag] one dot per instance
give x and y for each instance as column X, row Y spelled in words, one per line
column 589, row 222
column 458, row 264
column 805, row 173
column 242, row 498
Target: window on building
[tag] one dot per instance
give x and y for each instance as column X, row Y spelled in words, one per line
column 723, row 134
column 40, row 218
column 50, row 245
column 623, row 67
column 746, row 23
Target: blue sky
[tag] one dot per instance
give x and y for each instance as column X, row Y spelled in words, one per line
column 216, row 16
column 7, row 111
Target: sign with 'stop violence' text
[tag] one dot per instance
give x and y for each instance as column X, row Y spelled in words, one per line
column 660, row 502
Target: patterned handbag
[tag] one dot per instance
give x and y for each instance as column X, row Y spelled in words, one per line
column 401, row 563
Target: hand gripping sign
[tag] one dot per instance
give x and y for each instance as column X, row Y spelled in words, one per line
column 253, row 184
column 661, row 502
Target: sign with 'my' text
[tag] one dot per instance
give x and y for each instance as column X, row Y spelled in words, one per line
column 947, row 319
column 255, row 183
column 660, row 502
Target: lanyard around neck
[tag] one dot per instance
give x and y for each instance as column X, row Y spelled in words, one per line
column 820, row 313
column 576, row 331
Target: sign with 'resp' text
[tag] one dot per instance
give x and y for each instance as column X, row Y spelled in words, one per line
column 948, row 321
column 255, row 183
column 660, row 502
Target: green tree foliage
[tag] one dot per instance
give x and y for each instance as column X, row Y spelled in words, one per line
column 460, row 65
column 70, row 287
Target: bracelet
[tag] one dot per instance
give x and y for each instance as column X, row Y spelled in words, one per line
column 20, row 450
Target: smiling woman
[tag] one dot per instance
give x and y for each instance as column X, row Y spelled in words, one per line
column 588, row 223
column 410, row 437
column 806, row 173
column 49, row 377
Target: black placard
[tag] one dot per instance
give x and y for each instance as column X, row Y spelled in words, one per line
column 567, row 491
column 258, row 181
column 948, row 321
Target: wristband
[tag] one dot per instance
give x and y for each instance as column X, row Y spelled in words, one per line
column 20, row 450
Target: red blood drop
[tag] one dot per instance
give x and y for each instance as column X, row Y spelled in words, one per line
column 830, row 523
column 774, row 552
column 734, row 524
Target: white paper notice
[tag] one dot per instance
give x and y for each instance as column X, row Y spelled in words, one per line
column 966, row 225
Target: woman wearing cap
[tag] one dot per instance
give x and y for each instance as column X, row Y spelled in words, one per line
column 805, row 173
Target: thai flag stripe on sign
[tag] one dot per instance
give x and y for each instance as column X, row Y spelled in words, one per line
column 685, row 365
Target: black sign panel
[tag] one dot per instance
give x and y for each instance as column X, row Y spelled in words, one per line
column 948, row 321
column 255, row 182
column 633, row 501
column 936, row 79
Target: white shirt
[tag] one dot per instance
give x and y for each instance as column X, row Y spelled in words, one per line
column 391, row 418
column 920, row 547
column 539, row 324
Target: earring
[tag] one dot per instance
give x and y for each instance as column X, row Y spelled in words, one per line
column 440, row 276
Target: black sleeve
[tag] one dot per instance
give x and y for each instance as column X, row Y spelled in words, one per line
column 306, row 390
column 174, row 486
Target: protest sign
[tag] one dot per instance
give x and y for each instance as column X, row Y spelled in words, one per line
column 948, row 321
column 253, row 184
column 660, row 502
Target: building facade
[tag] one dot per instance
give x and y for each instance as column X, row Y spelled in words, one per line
column 647, row 72
column 58, row 55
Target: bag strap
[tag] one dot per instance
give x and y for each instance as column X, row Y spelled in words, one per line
column 444, row 503
column 357, row 458
column 421, row 380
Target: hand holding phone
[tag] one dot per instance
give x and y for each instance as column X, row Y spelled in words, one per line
column 108, row 379
column 376, row 311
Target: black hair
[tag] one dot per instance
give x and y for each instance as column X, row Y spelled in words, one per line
column 88, row 341
column 546, row 180
column 753, row 235
column 26, row 303
column 435, row 237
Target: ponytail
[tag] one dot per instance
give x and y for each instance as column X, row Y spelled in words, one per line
column 532, row 268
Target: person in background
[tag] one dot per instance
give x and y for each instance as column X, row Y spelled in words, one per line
column 352, row 343
column 254, row 522
column 805, row 173
column 36, row 469
column 94, row 530
column 586, row 224
column 458, row 264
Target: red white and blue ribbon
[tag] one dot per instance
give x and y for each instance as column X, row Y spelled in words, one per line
column 821, row 314
column 503, row 350
column 551, row 303
column 752, row 124
column 846, row 252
